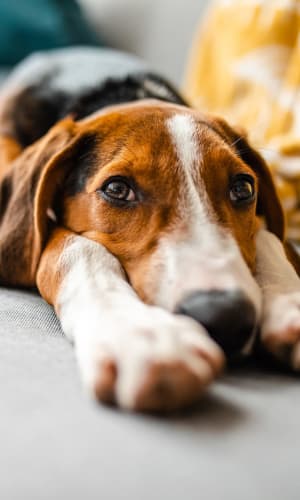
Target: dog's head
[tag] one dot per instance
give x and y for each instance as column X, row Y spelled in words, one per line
column 175, row 195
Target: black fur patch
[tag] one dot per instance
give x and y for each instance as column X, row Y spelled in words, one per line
column 5, row 193
column 33, row 112
column 39, row 107
column 84, row 163
column 133, row 88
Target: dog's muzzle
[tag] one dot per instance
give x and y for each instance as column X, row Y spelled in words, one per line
column 228, row 316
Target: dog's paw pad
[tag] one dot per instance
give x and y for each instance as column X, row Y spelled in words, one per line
column 169, row 386
column 105, row 380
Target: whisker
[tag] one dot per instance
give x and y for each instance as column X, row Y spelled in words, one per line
column 236, row 141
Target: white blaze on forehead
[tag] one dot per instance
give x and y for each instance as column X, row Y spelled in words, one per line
column 194, row 205
column 183, row 131
column 197, row 254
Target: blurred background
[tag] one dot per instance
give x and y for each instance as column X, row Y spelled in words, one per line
column 159, row 31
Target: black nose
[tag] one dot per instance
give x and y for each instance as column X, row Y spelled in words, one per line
column 228, row 316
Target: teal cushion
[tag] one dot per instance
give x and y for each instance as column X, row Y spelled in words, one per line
column 30, row 25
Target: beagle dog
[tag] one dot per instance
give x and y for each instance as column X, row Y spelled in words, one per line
column 154, row 230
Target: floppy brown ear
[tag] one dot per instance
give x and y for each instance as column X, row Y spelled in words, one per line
column 26, row 192
column 268, row 203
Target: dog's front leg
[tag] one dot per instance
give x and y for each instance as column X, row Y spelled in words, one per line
column 138, row 356
column 280, row 328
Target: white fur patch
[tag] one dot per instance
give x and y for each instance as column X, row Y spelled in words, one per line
column 190, row 266
column 92, row 272
column 274, row 272
column 281, row 297
column 182, row 128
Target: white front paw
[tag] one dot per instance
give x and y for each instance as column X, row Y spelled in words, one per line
column 151, row 361
column 280, row 330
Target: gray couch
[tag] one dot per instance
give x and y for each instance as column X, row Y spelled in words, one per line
column 241, row 442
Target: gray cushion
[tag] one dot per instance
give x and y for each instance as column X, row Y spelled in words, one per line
column 240, row 443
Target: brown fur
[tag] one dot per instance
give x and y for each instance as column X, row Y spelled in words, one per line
column 38, row 174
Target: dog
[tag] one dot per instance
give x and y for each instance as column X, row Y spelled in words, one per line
column 154, row 230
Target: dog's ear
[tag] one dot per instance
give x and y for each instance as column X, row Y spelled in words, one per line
column 27, row 190
column 268, row 203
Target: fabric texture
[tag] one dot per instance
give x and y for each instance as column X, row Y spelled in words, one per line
column 245, row 65
column 240, row 442
column 40, row 25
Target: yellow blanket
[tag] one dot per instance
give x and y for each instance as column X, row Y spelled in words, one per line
column 245, row 65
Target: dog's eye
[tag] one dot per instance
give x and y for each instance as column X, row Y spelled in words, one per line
column 242, row 189
column 118, row 190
